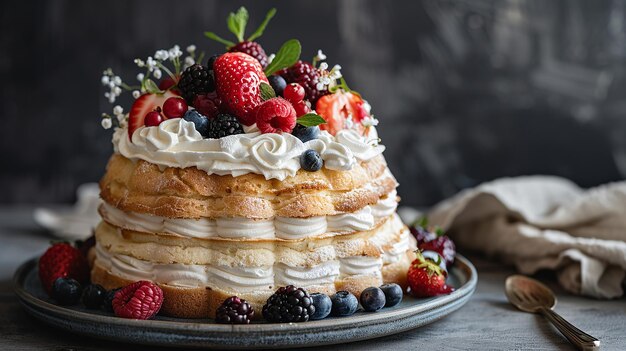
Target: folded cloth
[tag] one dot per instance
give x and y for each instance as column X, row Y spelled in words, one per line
column 542, row 222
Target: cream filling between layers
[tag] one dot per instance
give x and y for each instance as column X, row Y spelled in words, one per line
column 394, row 252
column 360, row 265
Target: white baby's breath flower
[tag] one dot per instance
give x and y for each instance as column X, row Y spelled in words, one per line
column 320, row 86
column 151, row 63
column 324, row 66
column 140, row 77
column 335, row 72
column 140, row 62
column 117, row 80
column 189, row 61
column 161, row 55
column 118, row 110
column 270, row 58
column 175, row 52
column 320, row 56
column 157, row 73
column 369, row 121
column 136, row 94
column 191, row 49
column 104, row 80
column 117, row 91
column 106, row 123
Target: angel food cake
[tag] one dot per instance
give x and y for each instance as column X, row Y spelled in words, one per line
column 242, row 173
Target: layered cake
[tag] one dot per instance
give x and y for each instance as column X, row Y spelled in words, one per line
column 242, row 173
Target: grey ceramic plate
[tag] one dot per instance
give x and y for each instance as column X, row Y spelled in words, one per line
column 411, row 313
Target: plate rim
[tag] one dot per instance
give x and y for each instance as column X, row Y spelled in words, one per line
column 35, row 306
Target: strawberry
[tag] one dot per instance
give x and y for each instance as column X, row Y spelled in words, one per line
column 144, row 104
column 59, row 261
column 237, row 79
column 426, row 279
column 335, row 108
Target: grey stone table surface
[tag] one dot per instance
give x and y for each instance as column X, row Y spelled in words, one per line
column 487, row 322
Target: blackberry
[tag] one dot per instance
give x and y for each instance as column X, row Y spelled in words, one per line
column 93, row 296
column 253, row 49
column 234, row 311
column 196, row 80
column 289, row 304
column 306, row 75
column 223, row 125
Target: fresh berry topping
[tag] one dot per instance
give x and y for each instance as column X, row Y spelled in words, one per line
column 234, row 311
column 66, row 291
column 278, row 83
column 288, row 304
column 107, row 303
column 201, row 122
column 60, row 261
column 393, row 294
column 426, row 278
column 237, row 78
column 422, row 234
column 167, row 83
column 174, row 107
column 336, row 108
column 302, row 108
column 253, row 49
column 293, row 93
column 372, row 299
column 211, row 61
column 275, row 115
column 306, row 133
column 443, row 246
column 311, row 161
column 323, row 306
column 208, row 104
column 307, row 76
column 344, row 304
column 144, row 104
column 153, row 119
column 196, row 80
column 224, row 125
column 93, row 296
column 139, row 300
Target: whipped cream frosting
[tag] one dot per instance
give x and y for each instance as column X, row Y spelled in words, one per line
column 176, row 143
column 348, row 222
column 298, row 228
column 322, row 274
column 360, row 265
column 385, row 207
column 394, row 252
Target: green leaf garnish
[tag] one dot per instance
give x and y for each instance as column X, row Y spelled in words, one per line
column 215, row 37
column 152, row 87
column 439, row 231
column 237, row 22
column 259, row 31
column 286, row 56
column 420, row 222
column 267, row 92
column 310, row 120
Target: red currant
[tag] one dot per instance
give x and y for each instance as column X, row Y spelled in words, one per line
column 293, row 93
column 174, row 107
column 153, row 119
column 301, row 108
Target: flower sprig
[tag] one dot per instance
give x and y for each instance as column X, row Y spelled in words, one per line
column 118, row 120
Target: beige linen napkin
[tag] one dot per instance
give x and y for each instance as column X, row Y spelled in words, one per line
column 542, row 222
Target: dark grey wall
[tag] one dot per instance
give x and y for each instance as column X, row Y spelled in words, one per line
column 466, row 91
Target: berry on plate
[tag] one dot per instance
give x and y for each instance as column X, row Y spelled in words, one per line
column 196, row 80
column 426, row 278
column 372, row 299
column 59, row 261
column 288, row 304
column 139, row 300
column 144, row 104
column 336, row 108
column 107, row 303
column 208, row 104
column 293, row 93
column 306, row 133
column 275, row 115
column 93, row 296
column 234, row 311
column 393, row 294
column 66, row 291
column 174, row 107
column 224, row 125
column 307, row 76
column 442, row 245
column 237, row 78
column 323, row 306
column 278, row 83
column 344, row 304
column 200, row 122
column 311, row 161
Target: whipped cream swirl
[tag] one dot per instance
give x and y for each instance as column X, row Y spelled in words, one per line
column 348, row 222
column 298, row 228
column 176, row 143
column 360, row 265
column 322, row 274
column 385, row 207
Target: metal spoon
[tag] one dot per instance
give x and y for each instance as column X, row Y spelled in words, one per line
column 529, row 295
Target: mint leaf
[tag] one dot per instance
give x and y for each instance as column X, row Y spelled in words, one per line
column 259, row 31
column 152, row 87
column 286, row 56
column 237, row 22
column 215, row 37
column 267, row 92
column 310, row 120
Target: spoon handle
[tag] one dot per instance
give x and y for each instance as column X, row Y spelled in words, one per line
column 576, row 336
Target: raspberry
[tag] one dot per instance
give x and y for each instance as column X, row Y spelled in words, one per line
column 139, row 300
column 253, row 49
column 276, row 115
column 306, row 75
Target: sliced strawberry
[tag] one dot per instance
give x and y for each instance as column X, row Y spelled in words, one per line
column 335, row 108
column 144, row 104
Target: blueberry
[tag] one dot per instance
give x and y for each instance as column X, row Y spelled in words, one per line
column 306, row 133
column 322, row 304
column 393, row 294
column 201, row 122
column 311, row 161
column 344, row 304
column 278, row 83
column 108, row 300
column 211, row 61
column 93, row 296
column 372, row 299
column 66, row 291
